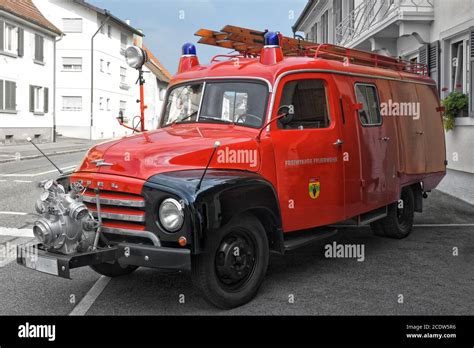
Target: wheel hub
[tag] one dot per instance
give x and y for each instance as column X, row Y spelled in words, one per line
column 235, row 260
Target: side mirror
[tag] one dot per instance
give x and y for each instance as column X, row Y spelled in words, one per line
column 120, row 116
column 288, row 111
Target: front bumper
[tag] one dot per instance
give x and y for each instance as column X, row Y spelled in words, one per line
column 37, row 258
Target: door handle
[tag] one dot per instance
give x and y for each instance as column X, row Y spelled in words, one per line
column 386, row 139
column 339, row 142
column 419, row 132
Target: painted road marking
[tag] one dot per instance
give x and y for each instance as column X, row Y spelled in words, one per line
column 12, row 213
column 22, row 181
column 35, row 174
column 88, row 300
column 16, row 232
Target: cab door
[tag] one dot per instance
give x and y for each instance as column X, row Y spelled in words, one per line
column 309, row 152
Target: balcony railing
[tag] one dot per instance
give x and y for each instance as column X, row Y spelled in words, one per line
column 370, row 13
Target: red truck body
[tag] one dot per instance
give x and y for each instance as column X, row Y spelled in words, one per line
column 255, row 153
column 363, row 174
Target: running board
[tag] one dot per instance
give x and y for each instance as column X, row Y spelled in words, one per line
column 372, row 216
column 296, row 240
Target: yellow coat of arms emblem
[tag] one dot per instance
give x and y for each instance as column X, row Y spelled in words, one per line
column 314, row 188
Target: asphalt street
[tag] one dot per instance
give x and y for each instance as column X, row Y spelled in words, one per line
column 431, row 272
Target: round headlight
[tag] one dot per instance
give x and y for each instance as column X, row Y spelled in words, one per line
column 171, row 215
column 135, row 57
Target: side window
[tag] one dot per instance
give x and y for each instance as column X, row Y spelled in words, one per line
column 369, row 115
column 309, row 101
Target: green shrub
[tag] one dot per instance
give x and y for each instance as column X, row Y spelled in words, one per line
column 454, row 103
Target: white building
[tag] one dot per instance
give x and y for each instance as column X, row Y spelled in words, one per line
column 27, row 41
column 90, row 96
column 156, row 82
column 438, row 33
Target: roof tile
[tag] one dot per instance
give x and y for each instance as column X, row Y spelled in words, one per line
column 27, row 10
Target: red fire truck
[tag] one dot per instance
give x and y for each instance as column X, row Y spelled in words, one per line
column 257, row 152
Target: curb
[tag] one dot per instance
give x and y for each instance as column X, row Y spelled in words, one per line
column 40, row 155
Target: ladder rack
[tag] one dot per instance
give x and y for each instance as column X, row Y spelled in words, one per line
column 249, row 43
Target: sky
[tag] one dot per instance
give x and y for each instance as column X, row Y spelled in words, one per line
column 168, row 24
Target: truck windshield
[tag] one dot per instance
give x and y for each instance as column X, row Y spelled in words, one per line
column 242, row 103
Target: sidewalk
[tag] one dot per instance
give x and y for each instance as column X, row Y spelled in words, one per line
column 9, row 153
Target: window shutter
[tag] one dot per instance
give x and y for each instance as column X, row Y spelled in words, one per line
column 2, row 28
column 46, row 100
column 32, row 98
column 14, row 95
column 434, row 62
column 1, row 94
column 471, row 70
column 423, row 54
column 21, row 42
column 36, row 47
column 39, row 48
column 10, row 91
column 41, row 43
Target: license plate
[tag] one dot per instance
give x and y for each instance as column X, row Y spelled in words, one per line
column 41, row 263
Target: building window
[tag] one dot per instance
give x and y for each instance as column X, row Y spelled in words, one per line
column 351, row 14
column 39, row 99
column 11, row 38
column 101, row 103
column 72, row 25
column 123, row 42
column 123, row 74
column 324, row 27
column 7, row 95
column 459, row 70
column 108, row 68
column 123, row 106
column 337, row 12
column 108, row 104
column 72, row 103
column 101, row 65
column 109, row 31
column 72, row 64
column 369, row 115
column 39, row 48
column 309, row 101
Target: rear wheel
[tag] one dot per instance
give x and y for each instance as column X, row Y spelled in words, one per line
column 398, row 223
column 113, row 269
column 231, row 270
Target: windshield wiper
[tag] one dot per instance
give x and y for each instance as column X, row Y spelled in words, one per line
column 216, row 119
column 178, row 120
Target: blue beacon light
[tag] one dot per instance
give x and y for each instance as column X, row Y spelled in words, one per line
column 271, row 39
column 189, row 49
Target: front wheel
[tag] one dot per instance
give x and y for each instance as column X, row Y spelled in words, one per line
column 398, row 223
column 231, row 270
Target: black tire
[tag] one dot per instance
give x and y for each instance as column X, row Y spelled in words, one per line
column 398, row 223
column 113, row 269
column 216, row 272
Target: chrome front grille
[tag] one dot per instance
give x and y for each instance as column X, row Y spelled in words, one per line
column 123, row 214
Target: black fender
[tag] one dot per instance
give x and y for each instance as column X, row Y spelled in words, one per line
column 223, row 195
